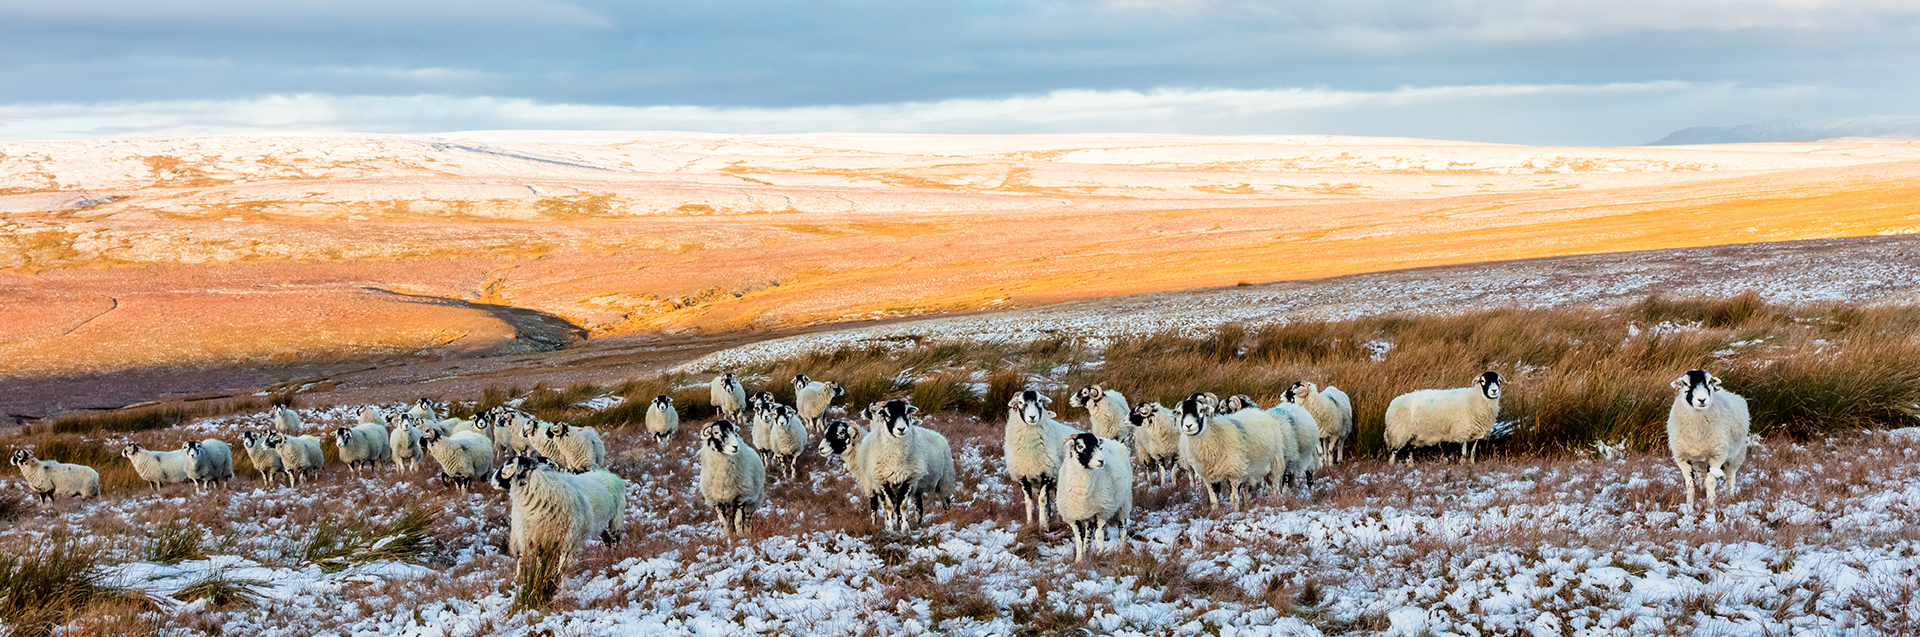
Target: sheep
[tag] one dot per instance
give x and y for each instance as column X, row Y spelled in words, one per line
column 729, row 398
column 733, row 480
column 403, row 444
column 662, row 419
column 264, row 458
column 287, row 422
column 1707, row 430
column 811, row 399
column 576, row 449
column 1034, row 449
column 553, row 510
column 1300, row 429
column 210, row 462
column 1432, row 416
column 462, row 456
column 158, row 468
column 48, row 478
column 779, row 432
column 1156, row 432
column 1227, row 452
column 369, row 415
column 423, row 410
column 1096, row 487
column 845, row 440
column 500, row 425
column 1107, row 413
column 1332, row 410
column 363, row 446
column 901, row 459
column 300, row 456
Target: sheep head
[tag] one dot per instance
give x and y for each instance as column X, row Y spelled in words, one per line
column 1085, row 449
column 1196, row 413
column 1030, row 406
column 801, row 381
column 1489, row 385
column 897, row 417
column 663, row 401
column 722, row 436
column 130, row 449
column 1698, row 387
column 22, row 458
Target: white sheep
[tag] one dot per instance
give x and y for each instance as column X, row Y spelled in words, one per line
column 403, row 444
column 1230, row 452
column 728, row 397
column 424, row 411
column 554, row 511
column 1156, row 436
column 733, row 480
column 1034, row 448
column 1463, row 415
column 1107, row 413
column 264, row 458
column 369, row 415
column 210, row 463
column 48, row 478
column 463, row 456
column 1332, row 410
column 300, row 456
column 903, row 461
column 1096, row 487
column 779, row 431
column 287, row 422
column 662, row 419
column 1298, row 429
column 812, row 398
column 845, row 440
column 363, row 446
column 1707, row 430
column 576, row 449
column 502, row 425
column 158, row 468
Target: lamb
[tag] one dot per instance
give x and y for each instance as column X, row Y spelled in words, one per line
column 733, row 480
column 1156, row 432
column 264, row 458
column 363, row 446
column 462, row 456
column 554, row 510
column 210, row 462
column 662, row 419
column 158, row 468
column 1707, row 430
column 1096, row 487
column 1107, row 413
column 1432, row 416
column 779, row 432
column 729, row 398
column 1332, row 410
column 1034, row 448
column 576, row 449
column 300, row 456
column 403, row 444
column 901, row 459
column 1227, row 452
column 811, row 399
column 48, row 478
column 287, row 422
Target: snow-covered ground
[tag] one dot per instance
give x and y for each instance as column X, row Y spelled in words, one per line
column 1819, row 540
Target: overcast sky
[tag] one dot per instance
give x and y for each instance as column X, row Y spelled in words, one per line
column 1591, row 72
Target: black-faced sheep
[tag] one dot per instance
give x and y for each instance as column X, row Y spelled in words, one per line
column 1034, row 448
column 904, row 462
column 1107, row 413
column 300, row 456
column 1156, row 436
column 1332, row 410
column 1432, row 416
column 463, row 456
column 1707, row 430
column 811, row 399
column 733, row 479
column 662, row 419
column 48, row 478
column 210, row 463
column 158, row 468
column 1096, row 488
column 728, row 397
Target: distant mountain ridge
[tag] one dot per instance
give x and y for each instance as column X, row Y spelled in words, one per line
column 1887, row 126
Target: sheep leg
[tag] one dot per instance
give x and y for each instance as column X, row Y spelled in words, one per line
column 1100, row 536
column 1046, row 504
column 1026, row 498
column 1309, row 479
column 1713, row 471
column 1686, row 478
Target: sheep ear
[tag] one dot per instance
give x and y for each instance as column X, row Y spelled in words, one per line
column 1015, row 402
column 1045, row 400
column 912, row 409
column 1713, row 381
column 1681, row 383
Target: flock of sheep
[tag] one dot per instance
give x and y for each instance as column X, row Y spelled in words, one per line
column 561, row 492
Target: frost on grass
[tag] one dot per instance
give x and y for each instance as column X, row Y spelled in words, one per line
column 1816, row 541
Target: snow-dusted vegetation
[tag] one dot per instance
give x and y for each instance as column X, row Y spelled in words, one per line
column 1537, row 537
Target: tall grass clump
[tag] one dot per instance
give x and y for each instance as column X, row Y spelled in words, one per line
column 335, row 547
column 52, row 580
column 175, row 543
column 1573, row 375
column 537, row 580
column 150, row 417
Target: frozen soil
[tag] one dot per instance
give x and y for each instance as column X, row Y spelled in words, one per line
column 1821, row 539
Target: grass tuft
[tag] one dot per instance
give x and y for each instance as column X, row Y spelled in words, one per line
column 175, row 543
column 221, row 589
column 54, row 579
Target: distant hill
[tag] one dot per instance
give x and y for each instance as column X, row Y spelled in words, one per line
column 1796, row 131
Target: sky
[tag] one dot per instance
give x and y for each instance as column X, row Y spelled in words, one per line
column 1543, row 72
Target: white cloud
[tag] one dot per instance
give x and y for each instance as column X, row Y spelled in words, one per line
column 1166, row 110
